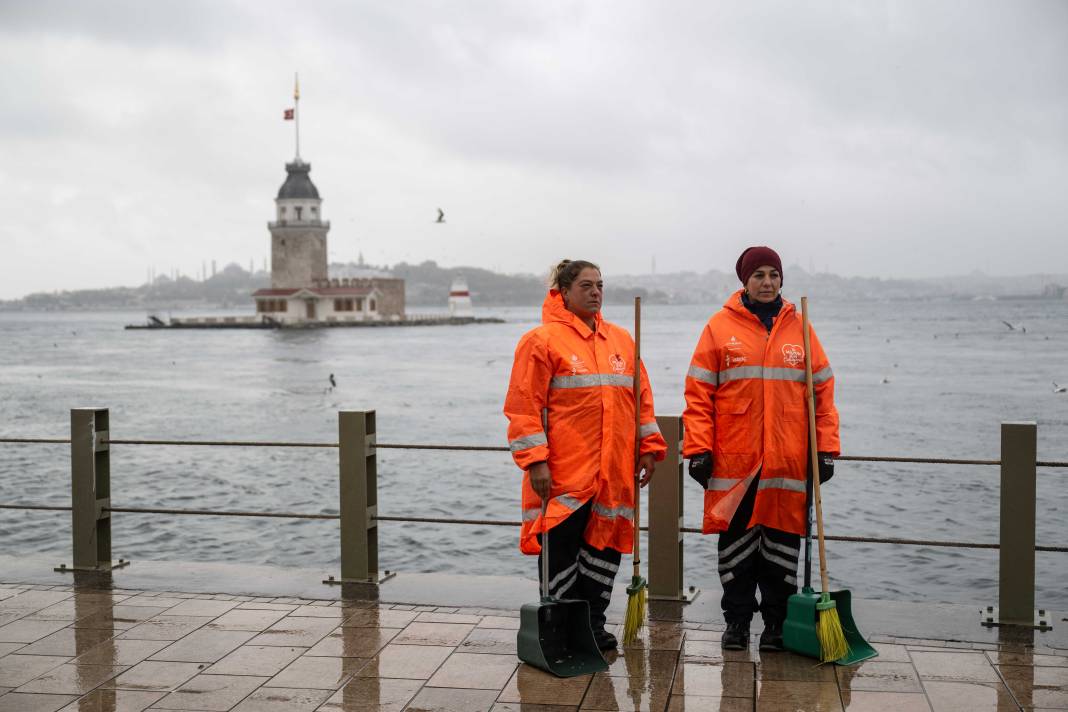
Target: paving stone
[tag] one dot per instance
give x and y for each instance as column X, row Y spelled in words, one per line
column 532, row 686
column 687, row 703
column 241, row 619
column 863, row 701
column 211, row 693
column 418, row 633
column 266, row 660
column 201, row 607
column 876, row 676
column 499, row 622
column 164, row 627
column 374, row 618
column 32, row 702
column 969, row 667
column 354, row 642
column 317, row 672
column 726, row 679
column 72, row 679
column 121, row 652
column 68, row 641
column 151, row 675
column 280, row 699
column 372, row 695
column 490, row 640
column 27, row 630
column 296, row 632
column 441, row 699
column 17, row 669
column 417, row 662
column 642, row 664
column 968, row 696
column 114, row 701
column 475, row 671
column 779, row 695
column 204, row 646
column 619, row 693
column 320, row 612
column 438, row 617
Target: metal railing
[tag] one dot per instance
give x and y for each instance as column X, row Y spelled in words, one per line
column 358, row 515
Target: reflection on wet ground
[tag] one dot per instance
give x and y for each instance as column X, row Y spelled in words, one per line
column 128, row 651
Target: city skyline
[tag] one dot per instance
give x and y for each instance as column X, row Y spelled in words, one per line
column 895, row 140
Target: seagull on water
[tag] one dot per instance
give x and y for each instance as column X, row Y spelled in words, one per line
column 333, row 383
column 1059, row 389
column 441, row 216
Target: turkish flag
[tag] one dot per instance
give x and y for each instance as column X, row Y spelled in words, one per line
column 288, row 115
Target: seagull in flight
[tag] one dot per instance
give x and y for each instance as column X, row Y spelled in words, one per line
column 1023, row 329
column 1059, row 389
column 441, row 216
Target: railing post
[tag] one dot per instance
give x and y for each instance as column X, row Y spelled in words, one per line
column 665, row 518
column 1016, row 577
column 358, row 506
column 90, row 474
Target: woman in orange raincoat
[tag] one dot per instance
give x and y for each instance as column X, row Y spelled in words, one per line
column 570, row 409
column 746, row 434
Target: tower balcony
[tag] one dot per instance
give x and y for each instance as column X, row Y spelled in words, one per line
column 298, row 223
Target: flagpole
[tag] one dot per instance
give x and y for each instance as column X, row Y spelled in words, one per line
column 296, row 110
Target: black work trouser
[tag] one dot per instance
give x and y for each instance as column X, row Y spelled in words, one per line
column 576, row 569
column 760, row 557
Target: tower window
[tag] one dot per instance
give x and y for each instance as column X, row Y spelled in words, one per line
column 298, row 209
column 371, row 305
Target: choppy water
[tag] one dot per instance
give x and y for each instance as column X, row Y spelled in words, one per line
column 955, row 373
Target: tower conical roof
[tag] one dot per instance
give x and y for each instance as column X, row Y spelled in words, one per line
column 298, row 184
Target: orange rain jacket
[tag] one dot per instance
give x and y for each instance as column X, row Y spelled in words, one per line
column 584, row 381
column 746, row 404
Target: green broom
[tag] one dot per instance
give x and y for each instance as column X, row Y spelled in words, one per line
column 833, row 644
column 638, row 589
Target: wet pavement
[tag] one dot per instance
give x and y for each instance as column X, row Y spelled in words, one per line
column 126, row 650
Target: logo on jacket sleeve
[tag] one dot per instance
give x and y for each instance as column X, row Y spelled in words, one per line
column 793, row 355
column 618, row 364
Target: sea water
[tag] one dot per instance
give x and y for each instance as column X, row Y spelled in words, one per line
column 913, row 378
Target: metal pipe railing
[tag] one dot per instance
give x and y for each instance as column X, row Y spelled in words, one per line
column 91, row 508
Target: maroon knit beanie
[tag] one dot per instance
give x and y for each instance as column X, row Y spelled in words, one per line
column 754, row 257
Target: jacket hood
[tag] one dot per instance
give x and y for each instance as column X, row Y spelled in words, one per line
column 553, row 310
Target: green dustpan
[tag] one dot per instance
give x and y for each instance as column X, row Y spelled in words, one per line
column 555, row 635
column 802, row 615
column 799, row 630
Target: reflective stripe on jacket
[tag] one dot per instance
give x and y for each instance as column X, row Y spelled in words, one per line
column 583, row 381
column 746, row 404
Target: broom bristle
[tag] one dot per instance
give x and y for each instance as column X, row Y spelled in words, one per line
column 635, row 619
column 833, row 644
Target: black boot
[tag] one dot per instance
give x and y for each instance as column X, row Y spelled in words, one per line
column 736, row 637
column 771, row 638
column 605, row 640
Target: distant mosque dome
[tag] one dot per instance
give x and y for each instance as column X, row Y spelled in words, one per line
column 298, row 183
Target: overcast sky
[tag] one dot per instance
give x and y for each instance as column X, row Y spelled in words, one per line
column 870, row 138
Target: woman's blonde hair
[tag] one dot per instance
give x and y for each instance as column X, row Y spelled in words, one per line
column 566, row 272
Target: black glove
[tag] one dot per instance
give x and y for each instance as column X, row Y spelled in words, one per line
column 701, row 468
column 826, row 463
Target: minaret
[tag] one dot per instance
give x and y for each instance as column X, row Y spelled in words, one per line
column 298, row 235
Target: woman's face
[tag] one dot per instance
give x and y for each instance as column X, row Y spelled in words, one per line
column 583, row 297
column 764, row 284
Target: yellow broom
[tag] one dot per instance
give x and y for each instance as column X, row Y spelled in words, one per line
column 833, row 644
column 638, row 589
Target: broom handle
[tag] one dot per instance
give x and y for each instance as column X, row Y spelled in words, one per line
column 637, row 426
column 811, row 392
column 544, row 549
